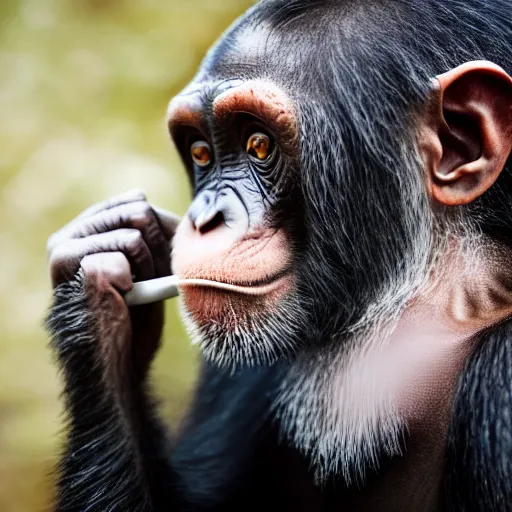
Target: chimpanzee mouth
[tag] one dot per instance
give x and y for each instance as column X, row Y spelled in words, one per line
column 255, row 287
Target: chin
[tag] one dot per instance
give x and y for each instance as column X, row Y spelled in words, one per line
column 236, row 330
column 245, row 309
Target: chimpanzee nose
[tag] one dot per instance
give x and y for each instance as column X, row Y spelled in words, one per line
column 204, row 212
column 211, row 210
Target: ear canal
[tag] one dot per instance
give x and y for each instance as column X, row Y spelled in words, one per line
column 459, row 135
column 474, row 131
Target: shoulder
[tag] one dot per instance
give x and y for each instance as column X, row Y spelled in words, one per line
column 479, row 449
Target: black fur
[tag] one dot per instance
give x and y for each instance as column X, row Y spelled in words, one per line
column 479, row 455
column 363, row 215
column 114, row 438
column 374, row 62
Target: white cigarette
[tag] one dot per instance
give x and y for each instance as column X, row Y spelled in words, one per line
column 162, row 288
column 153, row 290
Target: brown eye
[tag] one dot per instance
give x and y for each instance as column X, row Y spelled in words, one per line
column 200, row 151
column 258, row 146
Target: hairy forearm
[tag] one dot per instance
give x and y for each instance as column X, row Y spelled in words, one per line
column 115, row 458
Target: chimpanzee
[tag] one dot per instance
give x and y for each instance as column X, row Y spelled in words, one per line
column 352, row 180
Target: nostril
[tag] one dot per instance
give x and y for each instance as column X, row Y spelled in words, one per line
column 214, row 222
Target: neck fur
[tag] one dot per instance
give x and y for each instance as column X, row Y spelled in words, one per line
column 351, row 402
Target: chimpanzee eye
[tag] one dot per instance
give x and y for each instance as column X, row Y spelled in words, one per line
column 258, row 146
column 200, row 151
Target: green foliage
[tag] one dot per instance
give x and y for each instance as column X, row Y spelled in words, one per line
column 84, row 86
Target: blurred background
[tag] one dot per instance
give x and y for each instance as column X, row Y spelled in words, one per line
column 84, row 86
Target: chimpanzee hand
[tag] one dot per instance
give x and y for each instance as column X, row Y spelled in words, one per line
column 106, row 248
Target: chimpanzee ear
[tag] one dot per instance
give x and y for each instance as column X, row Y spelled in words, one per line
column 470, row 138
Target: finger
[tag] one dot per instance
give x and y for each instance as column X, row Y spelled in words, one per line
column 111, row 266
column 62, row 234
column 134, row 215
column 137, row 215
column 66, row 257
column 126, row 197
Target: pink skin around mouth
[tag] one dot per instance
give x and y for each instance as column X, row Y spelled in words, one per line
column 254, row 264
column 227, row 278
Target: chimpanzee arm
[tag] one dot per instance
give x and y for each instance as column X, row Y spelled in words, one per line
column 116, row 455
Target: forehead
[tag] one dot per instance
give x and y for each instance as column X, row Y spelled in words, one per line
column 248, row 48
column 255, row 48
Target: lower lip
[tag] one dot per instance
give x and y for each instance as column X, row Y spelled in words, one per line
column 228, row 306
column 263, row 289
